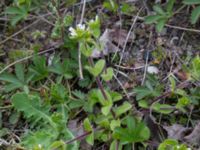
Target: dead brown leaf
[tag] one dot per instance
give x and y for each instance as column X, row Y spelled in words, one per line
column 176, row 131
column 112, row 41
column 194, row 137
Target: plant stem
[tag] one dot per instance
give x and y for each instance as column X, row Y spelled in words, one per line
column 78, row 137
column 98, row 80
column 6, row 107
column 99, row 84
column 117, row 145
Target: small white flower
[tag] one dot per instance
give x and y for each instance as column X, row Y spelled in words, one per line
column 39, row 145
column 92, row 21
column 152, row 70
column 81, row 26
column 189, row 149
column 72, row 32
column 96, row 20
column 178, row 147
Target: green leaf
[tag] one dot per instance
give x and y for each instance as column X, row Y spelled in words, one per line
column 67, row 20
column 142, row 92
column 160, row 25
column 180, row 92
column 126, row 106
column 113, row 145
column 152, row 19
column 10, row 78
column 168, row 144
column 170, row 5
column 39, row 68
column 115, row 96
column 143, row 104
column 29, row 106
column 39, row 138
column 66, row 68
column 16, row 19
column 106, row 109
column 135, row 132
column 90, row 139
column 19, row 70
column 13, row 82
column 108, row 74
column 191, row 2
column 86, row 49
column 102, row 100
column 172, row 83
column 59, row 93
column 131, row 123
column 79, row 94
column 158, row 9
column 182, row 102
column 13, row 10
column 111, row 5
column 114, row 124
column 163, row 108
column 98, row 68
column 87, row 125
column 195, row 68
column 11, row 86
column 94, row 26
column 103, row 121
column 195, row 14
column 127, row 8
column 17, row 13
column 58, row 145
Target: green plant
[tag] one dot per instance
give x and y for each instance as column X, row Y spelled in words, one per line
column 38, row 113
column 21, row 80
column 109, row 117
column 134, row 132
column 195, row 68
column 63, row 68
column 162, row 15
column 195, row 12
column 151, row 88
column 18, row 13
column 111, row 5
column 171, row 144
column 39, row 68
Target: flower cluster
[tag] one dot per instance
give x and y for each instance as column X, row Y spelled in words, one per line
column 81, row 31
column 74, row 33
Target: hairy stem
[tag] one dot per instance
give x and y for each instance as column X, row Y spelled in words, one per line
column 99, row 84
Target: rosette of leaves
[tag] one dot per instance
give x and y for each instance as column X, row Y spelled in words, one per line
column 20, row 80
column 66, row 68
column 134, row 132
column 161, row 15
column 18, row 13
column 39, row 68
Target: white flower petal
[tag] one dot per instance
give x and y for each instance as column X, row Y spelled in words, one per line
column 72, row 32
column 81, row 26
column 91, row 21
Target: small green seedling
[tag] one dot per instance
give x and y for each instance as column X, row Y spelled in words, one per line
column 161, row 15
